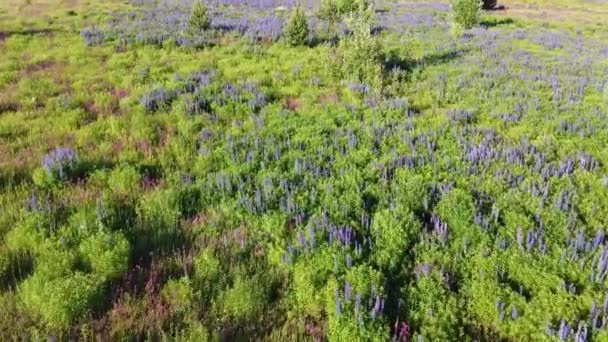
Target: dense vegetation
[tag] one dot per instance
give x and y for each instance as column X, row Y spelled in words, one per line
column 331, row 170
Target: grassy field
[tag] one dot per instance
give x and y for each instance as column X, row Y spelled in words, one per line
column 233, row 187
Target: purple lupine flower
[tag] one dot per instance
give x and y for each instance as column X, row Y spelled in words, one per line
column 514, row 313
column 57, row 161
column 92, row 36
column 338, row 303
column 581, row 333
column 32, row 204
column 311, row 236
column 530, row 240
column 349, row 261
column 520, row 237
column 564, row 330
column 301, row 239
column 156, row 99
column 599, row 238
column 347, row 291
column 440, row 229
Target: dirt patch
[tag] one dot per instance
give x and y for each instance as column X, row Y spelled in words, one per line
column 39, row 66
column 291, row 103
column 329, row 98
column 119, row 93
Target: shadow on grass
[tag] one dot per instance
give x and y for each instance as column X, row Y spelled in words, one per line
column 20, row 266
column 394, row 61
column 27, row 32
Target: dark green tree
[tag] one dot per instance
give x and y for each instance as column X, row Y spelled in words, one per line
column 199, row 18
column 296, row 31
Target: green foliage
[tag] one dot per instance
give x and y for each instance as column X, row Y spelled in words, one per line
column 309, row 279
column 52, row 261
column 207, row 273
column 61, row 301
column 329, row 11
column 199, row 18
column 435, row 311
column 179, row 294
column 245, row 300
column 124, row 179
column 349, row 6
column 43, row 179
column 466, row 13
column 359, row 55
column 107, row 254
column 457, row 209
column 334, row 10
column 297, row 31
column 393, row 232
column 410, row 190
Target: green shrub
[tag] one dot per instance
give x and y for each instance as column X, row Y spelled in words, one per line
column 296, row 31
column 329, row 11
column 393, row 232
column 158, row 219
column 207, row 272
column 360, row 54
column 309, row 278
column 199, row 18
column 457, row 210
column 63, row 300
column 107, row 254
column 54, row 261
column 466, row 13
column 243, row 301
column 124, row 179
column 179, row 294
column 334, row 10
column 349, row 6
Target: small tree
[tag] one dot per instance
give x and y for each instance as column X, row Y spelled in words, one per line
column 296, row 31
column 199, row 18
column 329, row 12
column 361, row 53
column 466, row 13
column 350, row 6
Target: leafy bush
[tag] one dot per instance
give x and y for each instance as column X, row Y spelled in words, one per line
column 63, row 300
column 309, row 279
column 243, row 301
column 124, row 179
column 360, row 54
column 334, row 10
column 296, row 30
column 393, row 232
column 329, row 11
column 107, row 254
column 53, row 261
column 199, row 20
column 207, row 272
column 179, row 294
column 158, row 217
column 466, row 13
column 57, row 166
